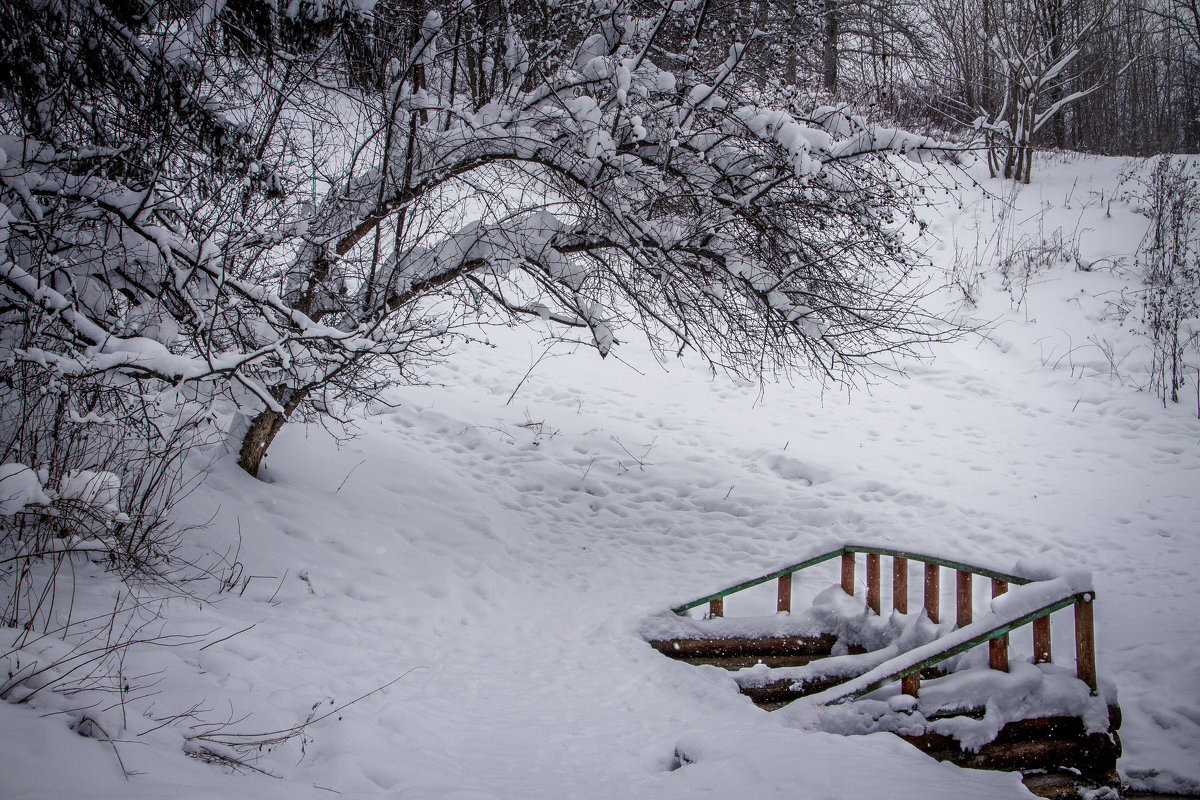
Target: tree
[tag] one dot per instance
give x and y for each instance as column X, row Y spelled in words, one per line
column 282, row 208
column 1017, row 65
column 865, row 43
column 1035, row 80
column 639, row 196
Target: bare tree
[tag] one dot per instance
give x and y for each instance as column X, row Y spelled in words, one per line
column 1034, row 92
column 1018, row 65
column 324, row 199
column 637, row 196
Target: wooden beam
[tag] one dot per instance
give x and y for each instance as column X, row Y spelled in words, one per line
column 964, row 596
column 848, row 573
column 818, row 646
column 785, row 593
column 900, row 584
column 716, row 607
column 873, row 582
column 1041, row 641
column 933, row 590
column 911, row 684
column 1085, row 642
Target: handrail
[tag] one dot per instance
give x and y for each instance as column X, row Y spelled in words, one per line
column 850, row 549
column 756, row 581
column 941, row 562
column 909, row 673
column 900, row 667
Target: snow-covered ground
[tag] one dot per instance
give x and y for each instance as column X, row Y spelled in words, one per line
column 499, row 557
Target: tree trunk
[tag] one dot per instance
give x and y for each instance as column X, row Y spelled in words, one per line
column 830, row 47
column 265, row 426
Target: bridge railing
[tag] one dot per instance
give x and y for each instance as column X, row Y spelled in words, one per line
column 996, row 636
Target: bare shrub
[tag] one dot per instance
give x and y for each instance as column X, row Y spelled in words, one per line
column 1168, row 267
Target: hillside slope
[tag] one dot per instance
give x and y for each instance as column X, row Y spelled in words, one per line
column 498, row 556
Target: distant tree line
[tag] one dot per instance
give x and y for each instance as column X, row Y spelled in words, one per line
column 946, row 63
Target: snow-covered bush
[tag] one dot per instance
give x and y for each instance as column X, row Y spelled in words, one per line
column 83, row 482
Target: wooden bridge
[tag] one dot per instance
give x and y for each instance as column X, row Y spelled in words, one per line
column 826, row 659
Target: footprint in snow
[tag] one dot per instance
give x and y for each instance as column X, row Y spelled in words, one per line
column 793, row 469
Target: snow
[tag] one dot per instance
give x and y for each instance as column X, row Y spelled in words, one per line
column 1026, row 691
column 20, row 488
column 505, row 558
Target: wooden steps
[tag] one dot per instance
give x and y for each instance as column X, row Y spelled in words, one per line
column 739, row 652
column 1056, row 754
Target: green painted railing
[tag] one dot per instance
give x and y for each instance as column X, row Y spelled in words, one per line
column 904, row 669
column 850, row 549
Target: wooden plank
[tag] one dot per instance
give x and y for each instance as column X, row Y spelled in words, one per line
column 716, row 607
column 999, row 587
column 848, row 573
column 1041, row 641
column 873, row 582
column 933, row 591
column 900, row 584
column 734, row 663
column 1085, row 642
column 964, row 598
column 785, row 593
column 821, row 645
column 911, row 684
column 779, row 693
column 1043, row 744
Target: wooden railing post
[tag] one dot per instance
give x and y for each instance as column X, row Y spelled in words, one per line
column 785, row 593
column 873, row 582
column 998, row 647
column 933, row 590
column 911, row 684
column 998, row 653
column 716, row 608
column 964, row 599
column 848, row 573
column 1041, row 641
column 1085, row 642
column 900, row 584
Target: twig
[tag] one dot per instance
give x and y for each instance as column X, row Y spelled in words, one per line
column 283, row 734
column 271, row 599
column 529, row 372
column 91, row 723
column 230, row 636
column 348, row 474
